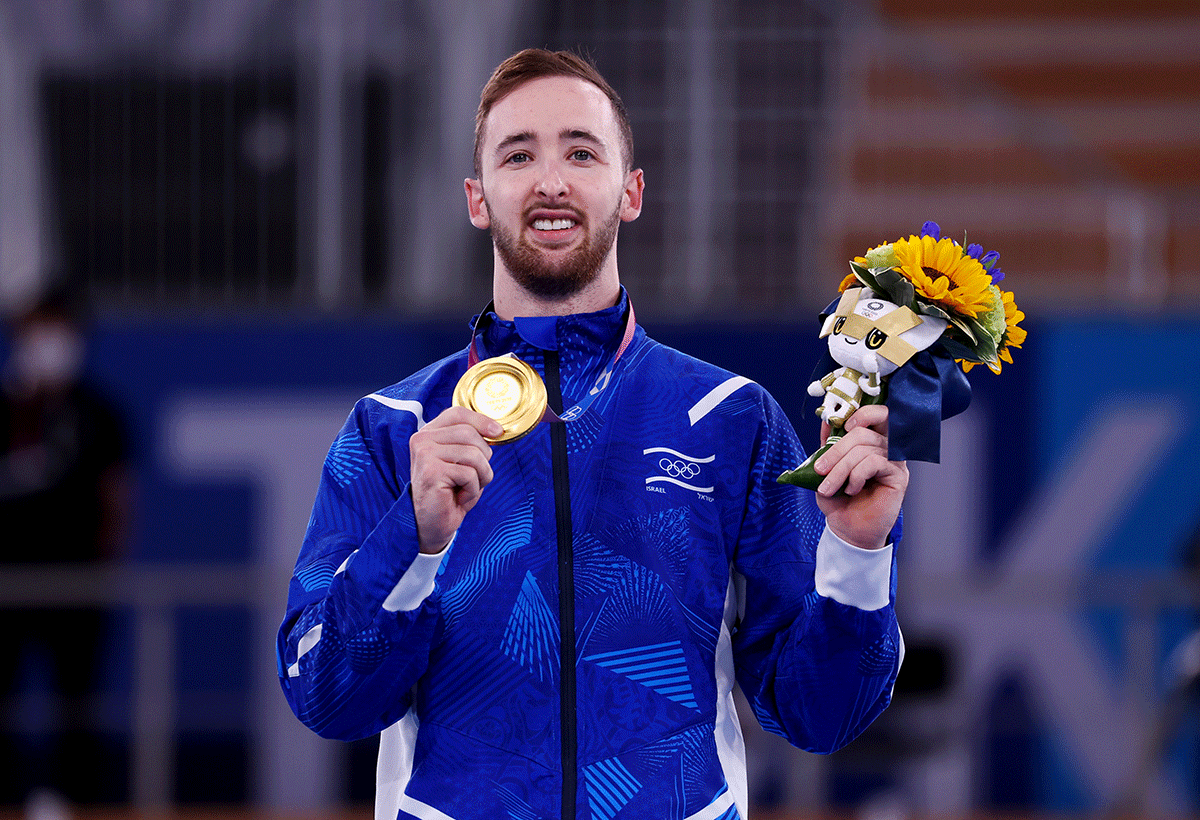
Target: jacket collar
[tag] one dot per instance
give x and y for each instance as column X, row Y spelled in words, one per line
column 570, row 334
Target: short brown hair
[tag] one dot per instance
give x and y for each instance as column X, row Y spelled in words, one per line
column 533, row 64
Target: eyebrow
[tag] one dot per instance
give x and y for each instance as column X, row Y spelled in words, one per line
column 523, row 137
column 514, row 139
column 580, row 134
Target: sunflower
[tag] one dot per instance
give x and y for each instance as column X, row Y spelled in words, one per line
column 1013, row 336
column 944, row 275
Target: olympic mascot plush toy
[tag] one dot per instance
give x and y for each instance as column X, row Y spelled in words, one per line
column 914, row 315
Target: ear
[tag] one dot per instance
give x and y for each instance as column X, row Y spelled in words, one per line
column 476, row 207
column 827, row 327
column 631, row 199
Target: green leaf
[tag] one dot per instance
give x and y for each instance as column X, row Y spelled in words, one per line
column 895, row 286
column 863, row 275
column 957, row 349
column 986, row 343
column 805, row 474
column 886, row 280
column 958, row 322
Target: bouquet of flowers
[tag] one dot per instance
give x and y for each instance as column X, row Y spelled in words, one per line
column 914, row 315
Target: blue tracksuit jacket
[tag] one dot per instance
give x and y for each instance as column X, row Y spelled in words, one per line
column 650, row 533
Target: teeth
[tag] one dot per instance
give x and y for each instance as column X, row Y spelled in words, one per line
column 553, row 224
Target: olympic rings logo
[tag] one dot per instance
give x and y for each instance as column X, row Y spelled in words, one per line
column 679, row 469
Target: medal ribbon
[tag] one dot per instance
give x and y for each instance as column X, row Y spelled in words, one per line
column 574, row 412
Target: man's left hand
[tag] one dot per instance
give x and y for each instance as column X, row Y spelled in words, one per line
column 872, row 488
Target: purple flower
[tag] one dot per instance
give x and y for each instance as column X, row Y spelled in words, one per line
column 989, row 260
column 931, row 229
column 974, row 250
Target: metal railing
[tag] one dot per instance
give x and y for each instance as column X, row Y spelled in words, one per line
column 153, row 595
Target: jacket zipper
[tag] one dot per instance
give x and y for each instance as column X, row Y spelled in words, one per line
column 566, row 587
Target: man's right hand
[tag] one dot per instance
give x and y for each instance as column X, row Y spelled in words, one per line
column 449, row 461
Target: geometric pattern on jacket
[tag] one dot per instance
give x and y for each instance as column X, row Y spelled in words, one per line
column 691, row 568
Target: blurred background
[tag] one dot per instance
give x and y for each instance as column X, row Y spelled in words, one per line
column 257, row 206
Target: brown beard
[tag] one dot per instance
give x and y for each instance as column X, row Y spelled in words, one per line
column 551, row 281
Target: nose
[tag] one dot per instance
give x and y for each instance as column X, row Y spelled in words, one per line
column 552, row 183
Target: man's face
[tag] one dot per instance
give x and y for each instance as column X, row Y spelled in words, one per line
column 47, row 355
column 553, row 185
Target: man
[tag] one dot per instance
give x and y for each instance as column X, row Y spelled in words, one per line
column 648, row 529
column 65, row 486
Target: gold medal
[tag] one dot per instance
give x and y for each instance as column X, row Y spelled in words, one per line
column 506, row 389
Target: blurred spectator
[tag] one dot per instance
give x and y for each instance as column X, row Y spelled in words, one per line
column 63, row 503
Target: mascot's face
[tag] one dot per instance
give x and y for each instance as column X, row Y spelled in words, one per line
column 863, row 338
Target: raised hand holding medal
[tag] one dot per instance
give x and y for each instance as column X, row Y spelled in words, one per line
column 505, row 389
column 498, row 400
